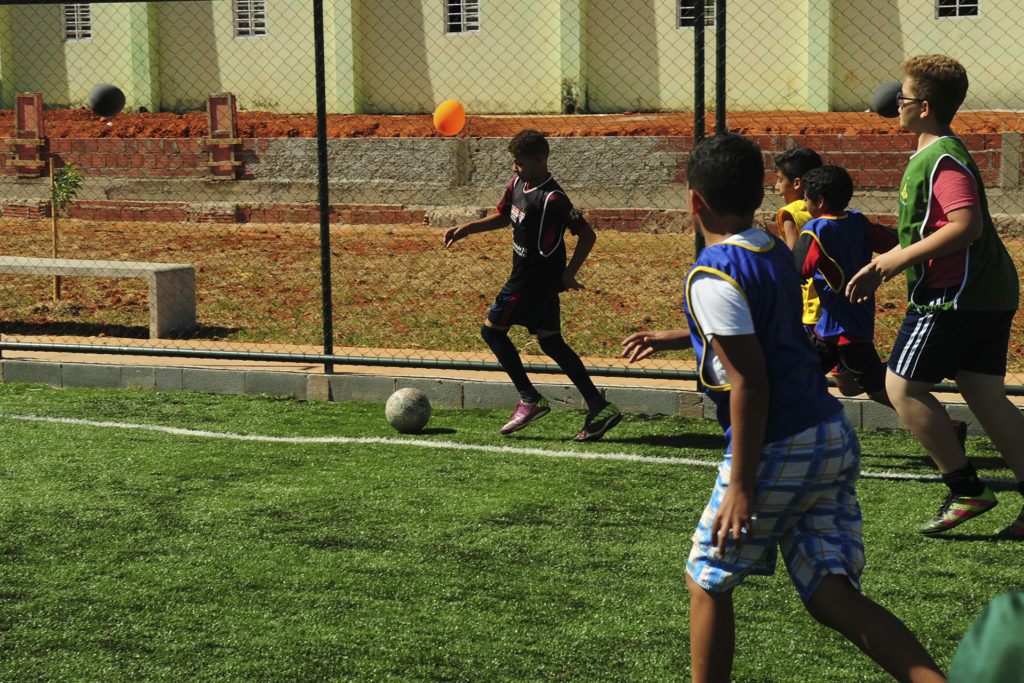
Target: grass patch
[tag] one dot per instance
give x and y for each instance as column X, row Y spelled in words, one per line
column 145, row 555
column 260, row 284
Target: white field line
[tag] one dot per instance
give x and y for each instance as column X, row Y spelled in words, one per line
column 421, row 443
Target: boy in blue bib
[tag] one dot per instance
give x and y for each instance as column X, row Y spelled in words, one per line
column 787, row 482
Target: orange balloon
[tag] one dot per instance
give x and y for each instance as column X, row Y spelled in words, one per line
column 449, row 117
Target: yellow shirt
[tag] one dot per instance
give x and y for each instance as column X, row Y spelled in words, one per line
column 797, row 211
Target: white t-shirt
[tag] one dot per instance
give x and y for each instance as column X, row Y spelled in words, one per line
column 720, row 308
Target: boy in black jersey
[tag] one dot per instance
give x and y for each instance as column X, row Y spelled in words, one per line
column 539, row 212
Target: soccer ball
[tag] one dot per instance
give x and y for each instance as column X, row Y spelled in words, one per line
column 407, row 410
column 106, row 99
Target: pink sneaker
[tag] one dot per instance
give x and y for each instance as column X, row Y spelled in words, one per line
column 524, row 414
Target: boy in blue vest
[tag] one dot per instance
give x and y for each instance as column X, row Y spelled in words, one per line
column 963, row 291
column 787, row 481
column 539, row 212
column 835, row 243
column 790, row 168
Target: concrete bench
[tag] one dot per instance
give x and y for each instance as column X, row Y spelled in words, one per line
column 172, row 286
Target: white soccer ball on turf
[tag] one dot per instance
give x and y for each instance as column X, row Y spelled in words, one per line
column 407, row 410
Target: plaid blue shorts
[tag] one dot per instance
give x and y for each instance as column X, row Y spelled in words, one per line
column 806, row 506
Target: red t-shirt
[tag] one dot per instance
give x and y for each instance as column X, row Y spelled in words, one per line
column 954, row 188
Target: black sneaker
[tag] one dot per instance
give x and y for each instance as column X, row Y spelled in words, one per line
column 1014, row 532
column 599, row 423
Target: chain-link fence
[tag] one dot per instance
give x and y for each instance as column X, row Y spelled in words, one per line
column 213, row 164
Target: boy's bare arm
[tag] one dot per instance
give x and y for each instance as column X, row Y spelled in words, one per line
column 965, row 225
column 585, row 239
column 492, row 222
column 743, row 360
column 790, row 231
column 640, row 345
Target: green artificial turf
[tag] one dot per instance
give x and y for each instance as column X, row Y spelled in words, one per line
column 140, row 554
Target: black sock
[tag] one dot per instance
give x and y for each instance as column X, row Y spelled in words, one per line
column 964, row 481
column 573, row 367
column 505, row 351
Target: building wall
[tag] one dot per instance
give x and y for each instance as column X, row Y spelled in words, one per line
column 868, row 48
column 393, row 56
column 408, row 64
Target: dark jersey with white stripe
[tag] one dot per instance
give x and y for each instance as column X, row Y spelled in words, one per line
column 539, row 215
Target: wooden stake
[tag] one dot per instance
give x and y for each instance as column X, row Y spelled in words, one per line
column 53, row 223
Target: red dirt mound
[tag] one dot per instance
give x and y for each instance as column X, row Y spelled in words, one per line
column 83, row 123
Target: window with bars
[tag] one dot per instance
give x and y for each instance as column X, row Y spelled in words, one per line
column 686, row 13
column 462, row 16
column 77, row 21
column 250, row 18
column 956, row 8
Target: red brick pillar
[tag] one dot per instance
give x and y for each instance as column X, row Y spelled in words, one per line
column 29, row 141
column 223, row 141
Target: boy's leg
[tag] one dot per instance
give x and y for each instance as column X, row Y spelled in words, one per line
column 845, row 383
column 601, row 415
column 865, row 369
column 926, row 417
column 999, row 417
column 508, row 357
column 712, row 633
column 552, row 343
column 872, row 628
column 832, row 363
column 532, row 405
column 1003, row 422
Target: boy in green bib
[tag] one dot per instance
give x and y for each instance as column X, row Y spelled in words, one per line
column 962, row 295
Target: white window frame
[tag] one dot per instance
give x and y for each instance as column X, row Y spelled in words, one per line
column 461, row 16
column 684, row 13
column 250, row 18
column 957, row 9
column 76, row 21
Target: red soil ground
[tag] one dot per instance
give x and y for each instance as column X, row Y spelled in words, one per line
column 83, row 123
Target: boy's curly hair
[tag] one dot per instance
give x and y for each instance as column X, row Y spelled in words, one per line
column 529, row 144
column 831, row 183
column 940, row 80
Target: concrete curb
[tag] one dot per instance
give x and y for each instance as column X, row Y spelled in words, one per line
column 376, row 387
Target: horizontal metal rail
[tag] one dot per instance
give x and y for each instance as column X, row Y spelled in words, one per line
column 327, row 359
column 379, row 361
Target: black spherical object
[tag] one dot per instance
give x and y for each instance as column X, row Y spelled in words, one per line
column 106, row 99
column 884, row 102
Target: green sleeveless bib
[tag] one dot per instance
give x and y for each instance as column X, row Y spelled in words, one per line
column 990, row 278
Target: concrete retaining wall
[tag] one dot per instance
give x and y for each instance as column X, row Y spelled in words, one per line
column 428, row 176
column 376, row 388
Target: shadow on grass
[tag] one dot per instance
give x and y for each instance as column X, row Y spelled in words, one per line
column 916, row 462
column 994, row 538
column 682, row 441
column 701, row 441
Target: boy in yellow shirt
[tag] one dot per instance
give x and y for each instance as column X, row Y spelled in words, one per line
column 790, row 167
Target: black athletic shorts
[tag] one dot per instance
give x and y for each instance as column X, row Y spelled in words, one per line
column 534, row 311
column 931, row 347
column 860, row 359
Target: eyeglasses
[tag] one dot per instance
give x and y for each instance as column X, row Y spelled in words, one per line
column 900, row 99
